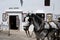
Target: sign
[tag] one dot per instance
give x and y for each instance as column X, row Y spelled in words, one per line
column 4, row 17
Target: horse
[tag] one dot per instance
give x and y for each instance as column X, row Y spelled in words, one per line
column 37, row 23
column 39, row 29
column 27, row 24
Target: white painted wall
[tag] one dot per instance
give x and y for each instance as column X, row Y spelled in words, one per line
column 30, row 5
column 20, row 17
column 7, row 22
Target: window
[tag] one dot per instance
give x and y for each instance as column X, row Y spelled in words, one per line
column 49, row 17
column 41, row 15
column 47, row 2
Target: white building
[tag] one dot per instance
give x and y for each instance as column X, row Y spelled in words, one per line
column 13, row 7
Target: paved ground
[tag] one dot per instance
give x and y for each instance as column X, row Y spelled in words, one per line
column 15, row 35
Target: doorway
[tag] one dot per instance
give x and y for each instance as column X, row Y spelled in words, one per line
column 12, row 22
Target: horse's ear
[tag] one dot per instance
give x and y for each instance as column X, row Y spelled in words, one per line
column 32, row 14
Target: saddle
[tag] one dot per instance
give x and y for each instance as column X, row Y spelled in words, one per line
column 48, row 31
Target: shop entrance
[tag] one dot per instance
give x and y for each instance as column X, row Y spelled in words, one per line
column 12, row 22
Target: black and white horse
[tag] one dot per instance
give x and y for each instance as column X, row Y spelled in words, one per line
column 39, row 28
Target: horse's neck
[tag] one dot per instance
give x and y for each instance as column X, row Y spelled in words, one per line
column 34, row 22
column 37, row 26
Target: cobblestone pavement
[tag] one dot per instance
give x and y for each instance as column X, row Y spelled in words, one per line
column 15, row 35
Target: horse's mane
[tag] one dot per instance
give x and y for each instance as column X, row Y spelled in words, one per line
column 37, row 18
column 37, row 22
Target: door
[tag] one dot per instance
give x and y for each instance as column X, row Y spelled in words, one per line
column 12, row 22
